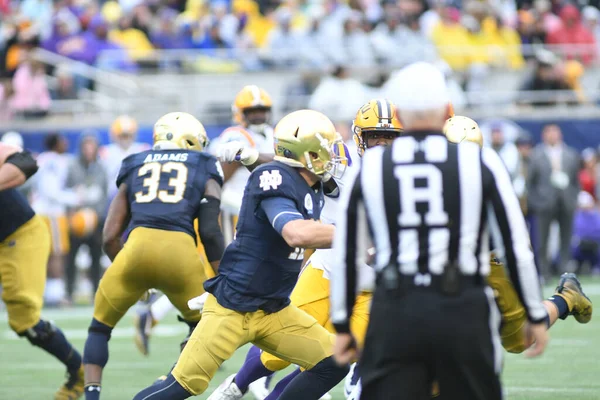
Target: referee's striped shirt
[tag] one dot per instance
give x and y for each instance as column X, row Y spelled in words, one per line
column 426, row 201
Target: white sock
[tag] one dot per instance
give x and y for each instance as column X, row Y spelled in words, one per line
column 55, row 290
column 160, row 308
column 355, row 395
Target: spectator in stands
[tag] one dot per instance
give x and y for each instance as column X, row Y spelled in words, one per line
column 451, row 38
column 133, row 40
column 545, row 78
column 313, row 45
column 553, row 186
column 591, row 20
column 106, row 53
column 418, row 47
column 506, row 150
column 531, row 31
column 571, row 72
column 339, row 96
column 547, row 19
column 572, row 33
column 6, row 92
column 164, row 34
column 283, row 42
column 87, row 175
column 64, row 88
column 588, row 174
column 65, row 25
column 356, row 41
column 586, row 233
column 524, row 145
column 31, row 97
column 39, row 12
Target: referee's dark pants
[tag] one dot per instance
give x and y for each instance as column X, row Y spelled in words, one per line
column 418, row 335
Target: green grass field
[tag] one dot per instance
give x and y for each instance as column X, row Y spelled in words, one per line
column 570, row 368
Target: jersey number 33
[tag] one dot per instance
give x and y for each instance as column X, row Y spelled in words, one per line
column 176, row 187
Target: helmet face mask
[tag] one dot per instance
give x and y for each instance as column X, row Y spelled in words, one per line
column 307, row 139
column 377, row 121
column 252, row 108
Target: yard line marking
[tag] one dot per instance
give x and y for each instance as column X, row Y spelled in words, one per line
column 552, row 389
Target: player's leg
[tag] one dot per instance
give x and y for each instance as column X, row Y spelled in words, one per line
column 294, row 336
column 569, row 299
column 311, row 295
column 23, row 260
column 120, row 287
column 220, row 332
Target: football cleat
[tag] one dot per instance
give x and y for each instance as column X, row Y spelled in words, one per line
column 580, row 306
column 72, row 389
column 259, row 388
column 143, row 323
column 227, row 390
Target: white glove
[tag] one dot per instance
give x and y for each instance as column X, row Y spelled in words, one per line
column 197, row 303
column 237, row 151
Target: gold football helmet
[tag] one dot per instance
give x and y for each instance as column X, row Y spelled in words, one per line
column 308, row 139
column 375, row 117
column 179, row 130
column 248, row 99
column 459, row 128
column 123, row 126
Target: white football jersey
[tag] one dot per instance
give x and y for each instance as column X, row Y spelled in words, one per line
column 323, row 259
column 50, row 195
column 233, row 189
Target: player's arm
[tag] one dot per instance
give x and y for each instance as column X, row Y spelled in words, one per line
column 209, row 229
column 16, row 166
column 291, row 225
column 239, row 151
column 116, row 222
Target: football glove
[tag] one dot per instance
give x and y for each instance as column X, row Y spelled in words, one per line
column 237, row 151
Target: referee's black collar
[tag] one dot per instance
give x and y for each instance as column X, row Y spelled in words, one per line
column 422, row 133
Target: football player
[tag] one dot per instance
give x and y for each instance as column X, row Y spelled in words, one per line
column 50, row 200
column 251, row 134
column 248, row 300
column 375, row 124
column 123, row 132
column 161, row 192
column 568, row 299
column 24, row 251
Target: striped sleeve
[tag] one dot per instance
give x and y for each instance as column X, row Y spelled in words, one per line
column 510, row 234
column 347, row 248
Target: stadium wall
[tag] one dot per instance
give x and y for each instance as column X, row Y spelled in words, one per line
column 577, row 133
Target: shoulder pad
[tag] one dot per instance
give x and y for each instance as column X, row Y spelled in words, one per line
column 127, row 165
column 237, row 133
column 213, row 168
column 273, row 180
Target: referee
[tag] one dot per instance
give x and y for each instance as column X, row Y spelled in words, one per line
column 430, row 206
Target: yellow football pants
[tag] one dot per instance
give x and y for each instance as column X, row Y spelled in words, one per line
column 23, row 259
column 59, row 233
column 311, row 295
column 290, row 334
column 151, row 258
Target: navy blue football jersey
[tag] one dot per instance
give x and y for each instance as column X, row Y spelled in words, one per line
column 165, row 187
column 259, row 269
column 14, row 212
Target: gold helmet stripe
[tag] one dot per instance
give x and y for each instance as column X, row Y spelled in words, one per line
column 255, row 94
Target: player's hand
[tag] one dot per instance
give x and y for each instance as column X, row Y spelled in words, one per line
column 237, row 151
column 539, row 335
column 345, row 349
column 197, row 303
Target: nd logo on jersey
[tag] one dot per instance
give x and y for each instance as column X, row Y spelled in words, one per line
column 270, row 180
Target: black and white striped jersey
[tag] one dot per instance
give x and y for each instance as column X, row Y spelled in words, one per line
column 427, row 202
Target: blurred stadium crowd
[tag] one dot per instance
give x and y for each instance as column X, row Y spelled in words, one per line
column 466, row 38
